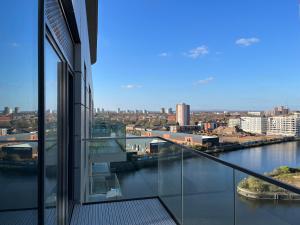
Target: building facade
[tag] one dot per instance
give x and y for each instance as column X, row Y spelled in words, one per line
column 183, row 114
column 284, row 125
column 54, row 44
column 255, row 125
column 234, row 122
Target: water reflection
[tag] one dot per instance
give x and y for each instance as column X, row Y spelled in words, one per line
column 266, row 158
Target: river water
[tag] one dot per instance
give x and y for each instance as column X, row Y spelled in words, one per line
column 209, row 189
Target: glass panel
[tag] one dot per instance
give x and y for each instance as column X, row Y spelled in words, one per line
column 170, row 177
column 208, row 196
column 259, row 202
column 51, row 91
column 18, row 111
column 118, row 172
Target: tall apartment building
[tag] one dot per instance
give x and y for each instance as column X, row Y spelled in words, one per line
column 183, row 114
column 254, row 124
column 284, row 125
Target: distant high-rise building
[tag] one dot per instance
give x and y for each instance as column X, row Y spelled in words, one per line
column 145, row 111
column 183, row 114
column 170, row 111
column 119, row 110
column 162, row 110
column 102, row 110
column 280, row 111
column 98, row 110
column 17, row 110
column 7, row 110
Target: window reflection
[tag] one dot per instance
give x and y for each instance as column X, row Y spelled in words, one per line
column 52, row 65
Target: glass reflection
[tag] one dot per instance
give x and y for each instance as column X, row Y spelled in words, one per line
column 52, row 63
column 18, row 110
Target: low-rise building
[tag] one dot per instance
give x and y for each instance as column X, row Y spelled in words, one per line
column 185, row 129
column 255, row 113
column 23, row 151
column 185, row 139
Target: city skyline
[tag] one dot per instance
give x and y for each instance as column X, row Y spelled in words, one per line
column 239, row 65
column 192, row 109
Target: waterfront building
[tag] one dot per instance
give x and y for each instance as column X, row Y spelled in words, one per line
column 184, row 138
column 234, row 122
column 183, row 114
column 284, row 125
column 254, row 124
column 23, row 151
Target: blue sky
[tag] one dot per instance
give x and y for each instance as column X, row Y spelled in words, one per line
column 18, row 54
column 212, row 54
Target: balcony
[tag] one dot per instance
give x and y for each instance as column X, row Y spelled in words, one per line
column 193, row 187
column 159, row 182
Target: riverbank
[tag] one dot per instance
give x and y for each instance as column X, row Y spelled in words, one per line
column 255, row 188
column 267, row 195
column 234, row 147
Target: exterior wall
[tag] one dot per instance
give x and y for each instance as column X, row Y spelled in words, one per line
column 83, row 93
column 256, row 125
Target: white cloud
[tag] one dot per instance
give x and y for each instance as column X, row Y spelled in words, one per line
column 164, row 54
column 197, row 52
column 205, row 81
column 247, row 41
column 131, row 86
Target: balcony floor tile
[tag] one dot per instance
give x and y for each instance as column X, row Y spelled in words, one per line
column 136, row 212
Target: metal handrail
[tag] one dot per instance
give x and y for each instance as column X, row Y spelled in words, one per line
column 17, row 141
column 211, row 157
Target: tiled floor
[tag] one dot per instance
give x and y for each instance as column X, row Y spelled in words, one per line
column 25, row 217
column 137, row 212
